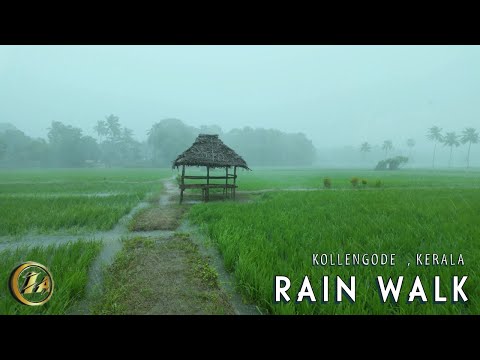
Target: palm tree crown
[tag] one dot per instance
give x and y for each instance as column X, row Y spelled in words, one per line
column 435, row 134
column 101, row 129
column 365, row 147
column 387, row 145
column 411, row 143
column 451, row 139
column 470, row 136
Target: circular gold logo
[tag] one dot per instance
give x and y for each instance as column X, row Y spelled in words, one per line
column 31, row 284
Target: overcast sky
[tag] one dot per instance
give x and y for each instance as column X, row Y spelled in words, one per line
column 336, row 95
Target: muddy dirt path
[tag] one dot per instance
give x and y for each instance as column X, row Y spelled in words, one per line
column 170, row 197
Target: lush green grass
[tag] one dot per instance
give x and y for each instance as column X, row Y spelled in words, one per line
column 69, row 266
column 278, row 234
column 74, row 200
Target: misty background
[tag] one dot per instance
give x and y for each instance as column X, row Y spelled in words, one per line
column 275, row 105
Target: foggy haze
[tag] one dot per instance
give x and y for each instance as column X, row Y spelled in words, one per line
column 336, row 95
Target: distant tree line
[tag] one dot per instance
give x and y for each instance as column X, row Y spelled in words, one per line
column 67, row 146
column 266, row 147
column 259, row 147
column 468, row 137
column 114, row 145
column 18, row 149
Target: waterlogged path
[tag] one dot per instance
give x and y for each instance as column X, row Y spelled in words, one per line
column 112, row 241
column 112, row 244
column 121, row 229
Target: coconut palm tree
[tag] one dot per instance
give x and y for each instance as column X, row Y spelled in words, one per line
column 365, row 148
column 114, row 130
column 435, row 134
column 387, row 146
column 411, row 144
column 101, row 129
column 470, row 136
column 451, row 139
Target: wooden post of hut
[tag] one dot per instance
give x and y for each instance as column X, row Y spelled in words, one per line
column 207, row 188
column 234, row 181
column 211, row 152
column 226, row 183
column 182, row 182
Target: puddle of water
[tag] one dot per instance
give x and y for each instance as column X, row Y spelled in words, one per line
column 72, row 194
column 40, row 240
column 169, row 189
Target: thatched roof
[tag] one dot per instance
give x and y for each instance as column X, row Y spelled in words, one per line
column 209, row 150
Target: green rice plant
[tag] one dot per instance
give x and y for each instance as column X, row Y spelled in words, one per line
column 278, row 234
column 72, row 200
column 71, row 214
column 287, row 178
column 69, row 265
column 49, row 182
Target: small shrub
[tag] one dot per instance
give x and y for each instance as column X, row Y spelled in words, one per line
column 327, row 183
column 378, row 183
column 354, row 181
column 382, row 165
column 392, row 163
column 364, row 182
column 396, row 162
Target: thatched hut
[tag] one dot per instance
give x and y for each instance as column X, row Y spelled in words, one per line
column 211, row 152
